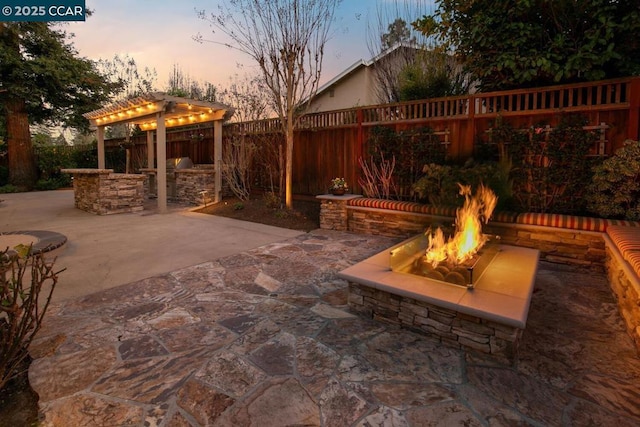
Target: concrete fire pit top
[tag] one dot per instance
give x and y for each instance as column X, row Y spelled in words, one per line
column 42, row 240
column 502, row 294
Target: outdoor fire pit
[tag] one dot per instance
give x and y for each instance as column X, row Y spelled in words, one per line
column 409, row 258
column 459, row 290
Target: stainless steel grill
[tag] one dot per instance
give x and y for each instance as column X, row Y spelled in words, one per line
column 172, row 165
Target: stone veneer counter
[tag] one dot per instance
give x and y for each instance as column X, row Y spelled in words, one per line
column 490, row 317
column 102, row 192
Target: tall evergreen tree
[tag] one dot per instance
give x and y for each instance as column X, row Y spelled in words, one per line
column 42, row 81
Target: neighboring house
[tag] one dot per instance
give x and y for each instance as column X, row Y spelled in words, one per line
column 360, row 84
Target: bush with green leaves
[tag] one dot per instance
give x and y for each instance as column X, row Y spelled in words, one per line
column 552, row 166
column 439, row 184
column 548, row 166
column 9, row 188
column 615, row 189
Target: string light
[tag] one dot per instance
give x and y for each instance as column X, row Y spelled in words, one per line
column 129, row 112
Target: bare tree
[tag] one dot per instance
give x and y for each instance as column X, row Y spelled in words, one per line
column 286, row 39
column 247, row 96
column 180, row 83
column 124, row 71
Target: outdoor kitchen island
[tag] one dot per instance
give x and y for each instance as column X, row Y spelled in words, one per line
column 103, row 192
column 490, row 317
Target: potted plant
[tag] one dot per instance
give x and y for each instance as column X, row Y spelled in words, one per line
column 338, row 186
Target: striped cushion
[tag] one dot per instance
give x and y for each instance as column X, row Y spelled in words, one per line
column 396, row 205
column 507, row 217
column 633, row 258
column 545, row 219
column 626, row 239
column 563, row 221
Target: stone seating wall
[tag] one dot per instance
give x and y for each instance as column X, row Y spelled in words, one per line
column 603, row 245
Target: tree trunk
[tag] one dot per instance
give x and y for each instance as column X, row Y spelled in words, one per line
column 289, row 165
column 22, row 167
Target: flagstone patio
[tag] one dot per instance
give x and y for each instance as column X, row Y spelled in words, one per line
column 265, row 338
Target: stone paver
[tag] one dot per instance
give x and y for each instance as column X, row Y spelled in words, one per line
column 265, row 338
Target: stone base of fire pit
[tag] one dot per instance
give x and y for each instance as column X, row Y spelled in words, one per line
column 489, row 318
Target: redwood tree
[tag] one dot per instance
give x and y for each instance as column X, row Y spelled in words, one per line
column 42, row 81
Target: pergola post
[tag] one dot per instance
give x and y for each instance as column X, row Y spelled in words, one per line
column 101, row 156
column 161, row 144
column 151, row 155
column 217, row 159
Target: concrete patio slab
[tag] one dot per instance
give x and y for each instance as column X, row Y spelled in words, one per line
column 106, row 251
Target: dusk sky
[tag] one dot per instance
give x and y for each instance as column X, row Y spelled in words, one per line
column 159, row 34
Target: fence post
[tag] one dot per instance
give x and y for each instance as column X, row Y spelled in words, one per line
column 358, row 148
column 633, row 128
column 470, row 135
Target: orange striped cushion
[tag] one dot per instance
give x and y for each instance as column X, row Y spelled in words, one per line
column 401, row 206
column 564, row 221
column 508, row 217
column 625, row 238
column 633, row 258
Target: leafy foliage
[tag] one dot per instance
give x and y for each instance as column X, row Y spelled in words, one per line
column 439, row 186
column 51, row 159
column 550, row 165
column 44, row 81
column 510, row 44
column 411, row 149
column 432, row 75
column 615, row 189
column 398, row 32
column 37, row 64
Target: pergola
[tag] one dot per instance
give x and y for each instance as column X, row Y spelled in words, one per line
column 155, row 112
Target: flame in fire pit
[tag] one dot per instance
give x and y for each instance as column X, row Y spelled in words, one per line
column 468, row 238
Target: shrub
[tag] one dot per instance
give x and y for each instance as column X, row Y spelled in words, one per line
column 550, row 165
column 86, row 156
column 23, row 277
column 60, row 181
column 9, row 188
column 52, row 158
column 271, row 200
column 439, row 184
column 615, row 189
column 411, row 149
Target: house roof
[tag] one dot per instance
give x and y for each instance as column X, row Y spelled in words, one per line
column 363, row 64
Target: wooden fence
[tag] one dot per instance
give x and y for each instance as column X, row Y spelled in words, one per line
column 329, row 144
